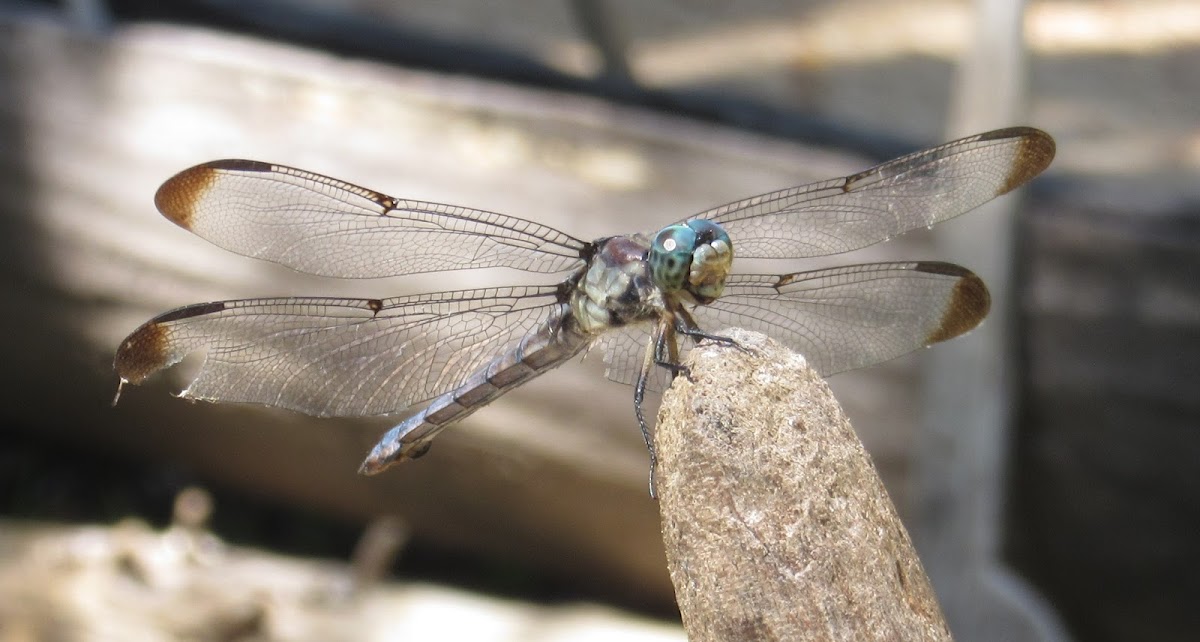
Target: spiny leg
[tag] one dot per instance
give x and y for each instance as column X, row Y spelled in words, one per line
column 639, row 394
column 662, row 350
column 687, row 326
column 675, row 369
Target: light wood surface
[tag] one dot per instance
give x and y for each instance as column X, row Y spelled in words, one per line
column 553, row 475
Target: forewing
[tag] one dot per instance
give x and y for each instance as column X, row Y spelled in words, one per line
column 912, row 191
column 334, row 356
column 853, row 316
column 328, row 227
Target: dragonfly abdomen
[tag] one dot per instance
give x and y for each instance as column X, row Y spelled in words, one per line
column 553, row 344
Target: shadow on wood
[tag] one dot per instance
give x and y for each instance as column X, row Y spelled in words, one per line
column 776, row 524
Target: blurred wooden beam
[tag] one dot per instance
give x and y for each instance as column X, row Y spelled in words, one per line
column 130, row 582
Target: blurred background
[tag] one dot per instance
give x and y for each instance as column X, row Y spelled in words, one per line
column 1045, row 465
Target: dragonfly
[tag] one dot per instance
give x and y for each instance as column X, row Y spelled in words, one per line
column 644, row 299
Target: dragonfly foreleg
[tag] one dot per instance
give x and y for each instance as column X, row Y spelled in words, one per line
column 676, row 369
column 699, row 335
column 686, row 325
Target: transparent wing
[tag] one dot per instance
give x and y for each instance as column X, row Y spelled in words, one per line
column 912, row 191
column 624, row 350
column 328, row 227
column 338, row 357
column 854, row 316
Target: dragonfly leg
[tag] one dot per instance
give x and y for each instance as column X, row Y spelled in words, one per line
column 675, row 368
column 686, row 325
column 661, row 350
column 666, row 357
column 637, row 409
column 639, row 394
column 699, row 335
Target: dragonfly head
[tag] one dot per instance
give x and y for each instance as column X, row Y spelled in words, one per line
column 691, row 259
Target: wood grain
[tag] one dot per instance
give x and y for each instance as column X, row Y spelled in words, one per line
column 553, row 476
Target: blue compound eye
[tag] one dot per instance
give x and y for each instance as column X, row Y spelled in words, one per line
column 707, row 232
column 671, row 256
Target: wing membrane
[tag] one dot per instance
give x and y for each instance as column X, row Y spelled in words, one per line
column 624, row 350
column 334, row 356
column 853, row 316
column 912, row 191
column 320, row 225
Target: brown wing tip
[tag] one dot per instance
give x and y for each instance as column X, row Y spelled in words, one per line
column 147, row 349
column 967, row 306
column 179, row 196
column 142, row 353
column 1033, row 155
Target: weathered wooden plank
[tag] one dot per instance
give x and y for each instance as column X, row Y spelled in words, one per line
column 554, row 474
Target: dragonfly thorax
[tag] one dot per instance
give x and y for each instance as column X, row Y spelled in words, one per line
column 615, row 288
column 691, row 260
